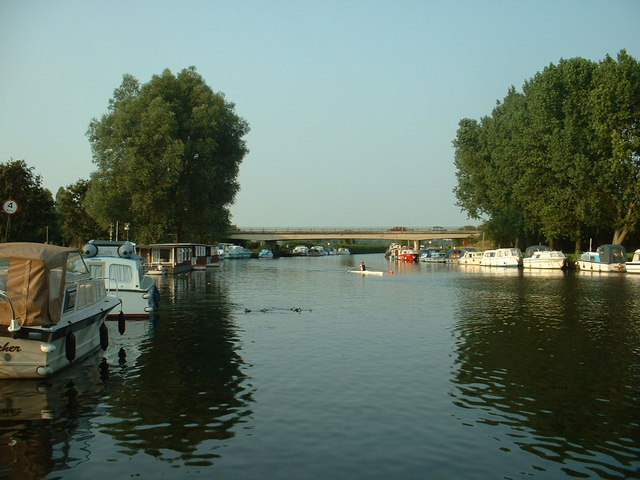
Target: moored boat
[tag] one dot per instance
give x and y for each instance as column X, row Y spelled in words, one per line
column 606, row 258
column 52, row 312
column 317, row 251
column 402, row 253
column 502, row 257
column 343, row 251
column 634, row 265
column 300, row 251
column 265, row 253
column 541, row 256
column 432, row 256
column 123, row 273
column 470, row 257
column 235, row 251
column 167, row 258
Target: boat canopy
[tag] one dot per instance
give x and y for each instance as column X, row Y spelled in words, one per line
column 33, row 277
column 612, row 253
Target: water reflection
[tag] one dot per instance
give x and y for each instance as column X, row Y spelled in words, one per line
column 42, row 422
column 535, row 362
column 187, row 391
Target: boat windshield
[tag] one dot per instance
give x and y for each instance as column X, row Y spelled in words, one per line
column 75, row 264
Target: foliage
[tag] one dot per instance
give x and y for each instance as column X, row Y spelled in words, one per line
column 561, row 159
column 168, row 154
column 76, row 225
column 35, row 213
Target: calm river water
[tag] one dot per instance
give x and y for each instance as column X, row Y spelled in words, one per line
column 435, row 371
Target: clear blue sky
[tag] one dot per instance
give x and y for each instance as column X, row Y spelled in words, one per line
column 352, row 104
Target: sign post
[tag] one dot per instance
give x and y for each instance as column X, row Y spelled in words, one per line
column 9, row 207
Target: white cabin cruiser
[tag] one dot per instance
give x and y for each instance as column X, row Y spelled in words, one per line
column 300, row 251
column 124, row 276
column 52, row 312
column 541, row 256
column 634, row 265
column 502, row 257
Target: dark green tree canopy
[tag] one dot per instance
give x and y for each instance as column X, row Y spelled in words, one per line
column 76, row 225
column 35, row 214
column 168, row 154
column 561, row 159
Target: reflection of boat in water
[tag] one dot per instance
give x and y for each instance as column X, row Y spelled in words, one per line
column 34, row 399
column 52, row 312
column 42, row 420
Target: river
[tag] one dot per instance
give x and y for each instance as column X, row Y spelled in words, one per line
column 293, row 368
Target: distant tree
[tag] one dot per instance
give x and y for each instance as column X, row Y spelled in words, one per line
column 76, row 225
column 35, row 213
column 168, row 154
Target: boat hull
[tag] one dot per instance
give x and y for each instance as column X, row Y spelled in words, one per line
column 600, row 267
column 548, row 264
column 367, row 272
column 36, row 352
column 633, row 267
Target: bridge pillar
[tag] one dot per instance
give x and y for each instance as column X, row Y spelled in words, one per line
column 416, row 245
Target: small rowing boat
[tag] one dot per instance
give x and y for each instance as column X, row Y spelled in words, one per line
column 367, row 272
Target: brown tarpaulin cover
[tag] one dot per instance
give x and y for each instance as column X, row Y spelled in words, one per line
column 34, row 282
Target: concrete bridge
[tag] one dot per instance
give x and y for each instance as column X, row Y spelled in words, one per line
column 398, row 234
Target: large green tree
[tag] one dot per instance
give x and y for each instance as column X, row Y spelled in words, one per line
column 559, row 160
column 76, row 225
column 168, row 154
column 35, row 215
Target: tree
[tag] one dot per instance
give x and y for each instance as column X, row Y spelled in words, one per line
column 559, row 160
column 35, row 214
column 615, row 119
column 168, row 154
column 76, row 225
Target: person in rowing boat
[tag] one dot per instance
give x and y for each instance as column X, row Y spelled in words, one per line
column 363, row 267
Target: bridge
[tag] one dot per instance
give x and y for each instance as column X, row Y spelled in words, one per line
column 415, row 235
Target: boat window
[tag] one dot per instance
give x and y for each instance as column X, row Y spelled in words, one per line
column 75, row 263
column 4, row 273
column 120, row 273
column 70, row 299
column 96, row 270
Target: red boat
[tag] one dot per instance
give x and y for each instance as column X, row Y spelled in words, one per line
column 402, row 253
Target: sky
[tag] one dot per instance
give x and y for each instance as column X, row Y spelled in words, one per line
column 353, row 105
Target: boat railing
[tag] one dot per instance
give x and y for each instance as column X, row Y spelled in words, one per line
column 14, row 324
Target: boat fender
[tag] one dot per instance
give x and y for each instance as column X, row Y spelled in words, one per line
column 89, row 250
column 70, row 346
column 104, row 337
column 126, row 250
column 121, row 322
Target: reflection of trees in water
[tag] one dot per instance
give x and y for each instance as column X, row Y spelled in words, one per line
column 555, row 361
column 40, row 420
column 189, row 391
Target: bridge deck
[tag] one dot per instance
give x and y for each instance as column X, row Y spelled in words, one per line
column 259, row 235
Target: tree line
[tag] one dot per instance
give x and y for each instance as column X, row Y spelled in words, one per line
column 559, row 161
column 167, row 153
